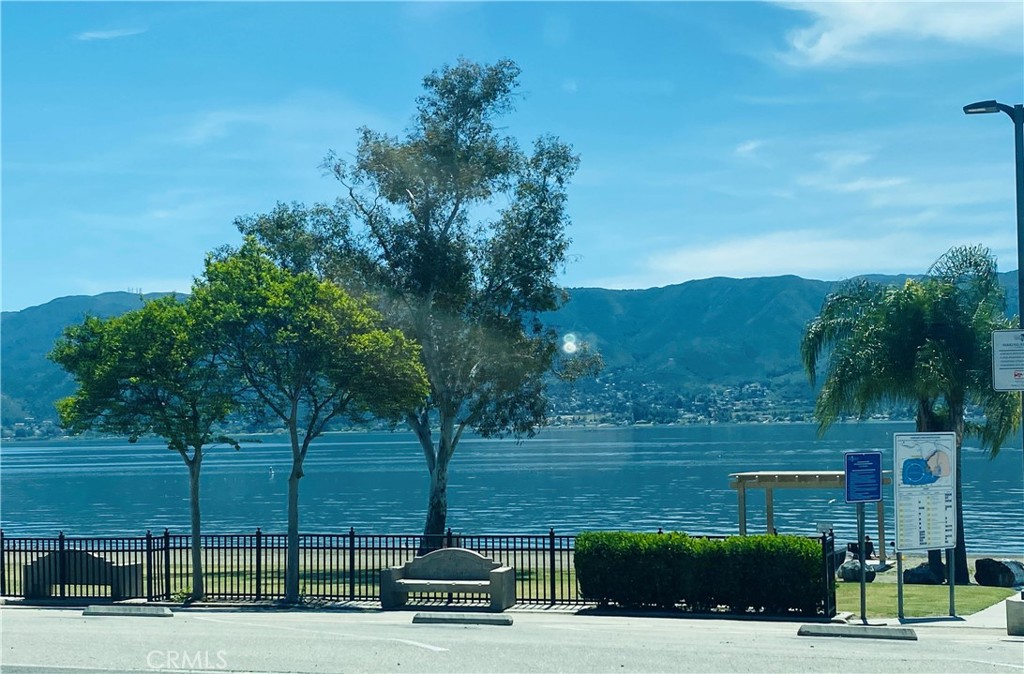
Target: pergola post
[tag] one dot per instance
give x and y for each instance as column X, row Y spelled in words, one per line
column 741, row 497
column 880, row 506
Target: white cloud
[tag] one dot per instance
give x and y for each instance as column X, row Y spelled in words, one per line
column 843, row 159
column 108, row 34
column 875, row 32
column 855, row 185
column 748, row 147
column 306, row 117
column 807, row 253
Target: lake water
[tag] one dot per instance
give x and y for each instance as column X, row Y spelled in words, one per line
column 570, row 479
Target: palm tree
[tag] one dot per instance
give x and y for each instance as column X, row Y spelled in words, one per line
column 928, row 344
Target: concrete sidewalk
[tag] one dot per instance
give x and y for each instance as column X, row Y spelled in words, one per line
column 993, row 617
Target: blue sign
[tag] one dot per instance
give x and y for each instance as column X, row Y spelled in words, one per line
column 863, row 477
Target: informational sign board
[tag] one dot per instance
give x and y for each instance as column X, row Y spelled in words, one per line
column 1008, row 360
column 863, row 477
column 924, row 480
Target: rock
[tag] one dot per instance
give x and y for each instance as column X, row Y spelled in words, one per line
column 999, row 573
column 850, row 572
column 922, row 575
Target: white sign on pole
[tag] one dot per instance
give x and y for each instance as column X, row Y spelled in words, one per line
column 1008, row 360
column 924, row 468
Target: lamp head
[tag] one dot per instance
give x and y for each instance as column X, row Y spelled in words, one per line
column 981, row 108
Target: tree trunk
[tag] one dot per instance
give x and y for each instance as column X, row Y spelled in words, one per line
column 437, row 504
column 291, row 569
column 927, row 422
column 198, row 590
column 437, row 509
column 291, row 575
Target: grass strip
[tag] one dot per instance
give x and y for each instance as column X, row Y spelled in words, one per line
column 919, row 601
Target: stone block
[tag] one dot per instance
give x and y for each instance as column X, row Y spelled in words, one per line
column 1015, row 616
column 999, row 573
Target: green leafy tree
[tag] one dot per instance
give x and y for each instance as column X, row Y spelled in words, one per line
column 460, row 235
column 927, row 343
column 301, row 239
column 151, row 371
column 308, row 352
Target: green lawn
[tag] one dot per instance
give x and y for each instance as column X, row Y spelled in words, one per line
column 919, row 601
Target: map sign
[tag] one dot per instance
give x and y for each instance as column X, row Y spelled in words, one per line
column 924, row 469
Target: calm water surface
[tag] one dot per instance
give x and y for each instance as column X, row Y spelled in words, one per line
column 623, row 478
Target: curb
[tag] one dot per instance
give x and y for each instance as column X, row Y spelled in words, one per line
column 128, row 610
column 461, row 619
column 858, row 632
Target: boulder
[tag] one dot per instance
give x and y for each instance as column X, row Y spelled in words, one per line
column 999, row 573
column 850, row 572
column 922, row 575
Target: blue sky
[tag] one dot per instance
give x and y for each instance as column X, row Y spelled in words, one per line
column 716, row 138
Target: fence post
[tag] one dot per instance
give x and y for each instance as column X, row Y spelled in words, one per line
column 149, row 565
column 828, row 554
column 3, row 566
column 551, row 562
column 61, row 574
column 351, row 563
column 259, row 564
column 167, row 564
column 448, row 538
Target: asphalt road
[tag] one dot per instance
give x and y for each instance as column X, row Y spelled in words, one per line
column 65, row 641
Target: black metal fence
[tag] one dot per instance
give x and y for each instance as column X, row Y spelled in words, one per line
column 251, row 567
column 333, row 567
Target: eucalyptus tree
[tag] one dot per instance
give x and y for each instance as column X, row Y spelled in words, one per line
column 460, row 234
column 927, row 343
column 308, row 352
column 151, row 371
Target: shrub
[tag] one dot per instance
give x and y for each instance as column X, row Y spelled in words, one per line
column 773, row 574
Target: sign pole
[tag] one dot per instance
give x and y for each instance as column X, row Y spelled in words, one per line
column 899, row 585
column 863, row 565
column 863, row 476
column 951, row 566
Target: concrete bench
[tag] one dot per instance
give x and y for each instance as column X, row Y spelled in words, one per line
column 80, row 568
column 455, row 570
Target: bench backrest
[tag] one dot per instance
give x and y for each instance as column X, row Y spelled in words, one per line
column 450, row 564
column 79, row 566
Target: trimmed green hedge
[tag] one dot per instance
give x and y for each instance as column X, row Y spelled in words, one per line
column 769, row 574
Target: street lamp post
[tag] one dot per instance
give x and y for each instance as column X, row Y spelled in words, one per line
column 1016, row 113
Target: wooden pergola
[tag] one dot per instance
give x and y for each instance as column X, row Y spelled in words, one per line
column 770, row 480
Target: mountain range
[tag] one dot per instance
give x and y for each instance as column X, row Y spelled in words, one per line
column 677, row 340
